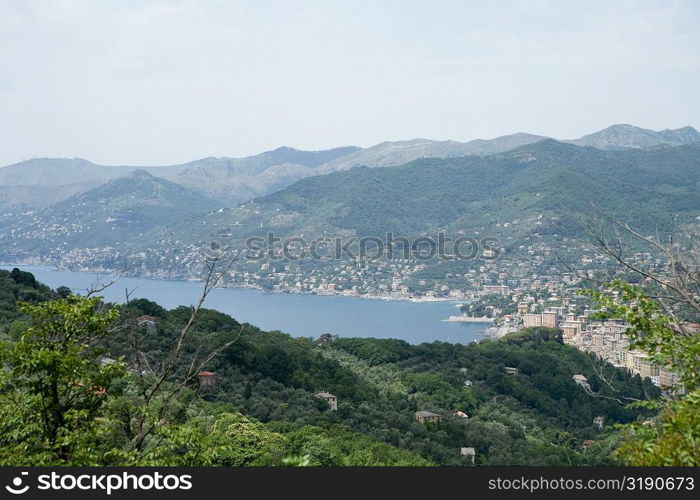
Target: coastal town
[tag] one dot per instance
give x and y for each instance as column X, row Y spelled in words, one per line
column 535, row 283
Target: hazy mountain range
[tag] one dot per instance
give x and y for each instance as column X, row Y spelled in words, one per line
column 41, row 182
column 542, row 188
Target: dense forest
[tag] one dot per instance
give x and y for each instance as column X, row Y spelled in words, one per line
column 256, row 403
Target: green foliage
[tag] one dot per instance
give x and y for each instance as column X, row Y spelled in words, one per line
column 55, row 373
column 226, row 439
column 536, row 334
column 377, row 352
column 19, row 286
column 546, row 177
column 338, row 445
column 671, row 440
column 61, row 403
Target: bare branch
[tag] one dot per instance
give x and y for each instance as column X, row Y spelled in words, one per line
column 95, row 288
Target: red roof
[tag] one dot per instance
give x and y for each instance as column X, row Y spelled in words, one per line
column 205, row 374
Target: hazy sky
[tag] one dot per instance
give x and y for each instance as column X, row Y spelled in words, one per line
column 160, row 82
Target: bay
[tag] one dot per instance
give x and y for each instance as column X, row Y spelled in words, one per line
column 298, row 315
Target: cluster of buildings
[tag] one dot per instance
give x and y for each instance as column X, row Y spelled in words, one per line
column 606, row 339
column 523, row 268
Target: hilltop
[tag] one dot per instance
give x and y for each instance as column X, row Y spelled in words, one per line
column 119, row 211
column 624, row 136
column 231, row 180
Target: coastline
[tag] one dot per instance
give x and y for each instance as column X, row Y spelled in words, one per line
column 469, row 319
column 293, row 314
column 393, row 298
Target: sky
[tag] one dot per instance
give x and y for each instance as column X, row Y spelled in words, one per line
column 164, row 82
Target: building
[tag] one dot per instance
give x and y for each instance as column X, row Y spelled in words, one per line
column 571, row 328
column 668, row 379
column 690, row 327
column 648, row 369
column 581, row 380
column 147, row 321
column 598, row 422
column 532, row 320
column 461, row 414
column 469, row 452
column 496, row 289
column 206, row 379
column 510, row 370
column 550, row 319
column 330, row 399
column 427, row 417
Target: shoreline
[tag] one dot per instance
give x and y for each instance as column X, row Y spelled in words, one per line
column 469, row 319
column 390, row 298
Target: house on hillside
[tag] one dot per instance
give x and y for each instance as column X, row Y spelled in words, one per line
column 511, row 370
column 581, row 380
column 206, row 379
column 427, row 417
column 330, row 399
column 147, row 321
column 598, row 422
column 469, row 452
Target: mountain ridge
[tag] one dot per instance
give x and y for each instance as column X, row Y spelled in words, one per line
column 236, row 180
column 117, row 211
column 624, row 135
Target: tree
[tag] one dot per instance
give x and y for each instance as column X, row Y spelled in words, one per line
column 159, row 385
column 671, row 441
column 248, row 390
column 57, row 378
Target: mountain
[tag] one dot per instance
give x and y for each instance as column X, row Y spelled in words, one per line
column 235, row 180
column 628, row 136
column 537, row 194
column 543, row 187
column 58, row 172
column 231, row 180
column 389, row 154
column 39, row 196
column 112, row 213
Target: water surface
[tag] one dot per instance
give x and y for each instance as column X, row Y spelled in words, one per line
column 298, row 315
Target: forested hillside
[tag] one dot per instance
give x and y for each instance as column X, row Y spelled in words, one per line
column 544, row 188
column 261, row 408
column 550, row 179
